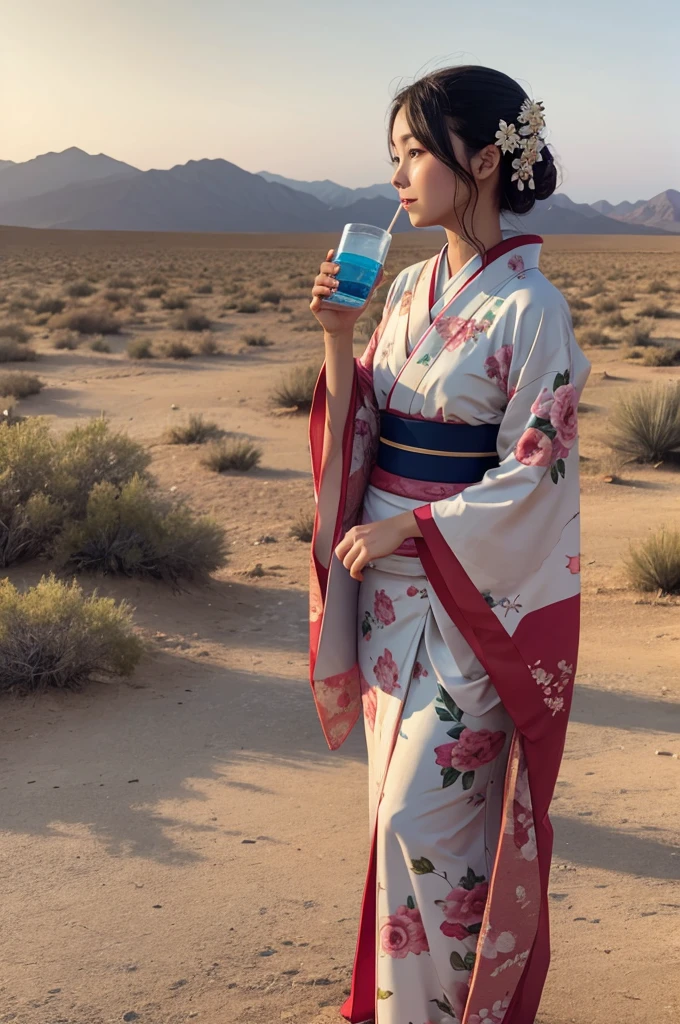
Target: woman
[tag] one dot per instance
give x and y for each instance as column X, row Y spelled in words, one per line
column 444, row 593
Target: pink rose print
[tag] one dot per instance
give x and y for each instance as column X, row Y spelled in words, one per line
column 516, row 263
column 387, row 672
column 455, row 330
column 403, row 933
column 497, row 366
column 471, row 750
column 563, row 414
column 412, row 591
column 419, row 671
column 573, row 563
column 369, row 699
column 534, row 448
column 543, row 403
column 455, row 930
column 558, row 450
column 464, row 907
column 405, row 303
column 383, row 609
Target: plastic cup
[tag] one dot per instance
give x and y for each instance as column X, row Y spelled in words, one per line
column 362, row 252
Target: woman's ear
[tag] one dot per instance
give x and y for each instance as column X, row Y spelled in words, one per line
column 484, row 163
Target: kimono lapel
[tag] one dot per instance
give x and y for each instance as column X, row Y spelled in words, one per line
column 429, row 330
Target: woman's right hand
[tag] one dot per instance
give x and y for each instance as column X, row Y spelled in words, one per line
column 341, row 319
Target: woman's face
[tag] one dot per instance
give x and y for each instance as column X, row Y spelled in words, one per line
column 441, row 197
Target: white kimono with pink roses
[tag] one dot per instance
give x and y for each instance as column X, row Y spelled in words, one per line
column 461, row 646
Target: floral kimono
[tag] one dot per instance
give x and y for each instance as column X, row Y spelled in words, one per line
column 458, row 649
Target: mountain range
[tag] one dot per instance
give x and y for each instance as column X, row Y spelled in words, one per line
column 78, row 190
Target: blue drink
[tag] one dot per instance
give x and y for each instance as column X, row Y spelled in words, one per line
column 360, row 255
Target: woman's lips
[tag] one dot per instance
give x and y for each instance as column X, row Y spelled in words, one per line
column 407, row 202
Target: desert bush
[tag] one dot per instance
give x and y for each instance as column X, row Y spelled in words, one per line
column 296, row 388
column 99, row 345
column 248, row 306
column 654, row 310
column 133, row 531
column 177, row 349
column 655, row 563
column 70, row 341
column 135, row 304
column 614, row 320
column 205, row 288
column 121, row 281
column 645, row 423
column 271, row 295
column 594, row 337
column 29, row 516
column 157, row 280
column 662, row 355
column 14, row 332
column 257, row 340
column 630, row 352
column 605, row 304
column 49, row 305
column 139, row 348
column 20, row 385
column 303, row 527
column 156, row 291
column 191, row 320
column 53, row 636
column 88, row 320
column 175, row 300
column 116, row 298
column 207, row 345
column 80, row 289
column 194, row 431
column 578, row 303
column 229, row 454
column 11, row 352
column 638, row 334
column 656, row 285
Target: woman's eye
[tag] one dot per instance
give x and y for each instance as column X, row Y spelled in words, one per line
column 395, row 159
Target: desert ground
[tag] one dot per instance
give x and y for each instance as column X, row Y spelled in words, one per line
column 180, row 844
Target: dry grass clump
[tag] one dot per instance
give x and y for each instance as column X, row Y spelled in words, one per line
column 195, row 431
column 257, row 340
column 654, row 565
column 80, row 290
column 638, row 333
column 121, row 281
column 20, row 384
column 11, row 352
column 248, row 306
column 116, row 298
column 175, row 348
column 593, row 337
column 133, row 531
column 230, row 454
column 53, row 636
column 139, row 348
column 205, row 288
column 272, row 295
column 605, row 304
column 156, row 291
column 207, row 345
column 303, row 527
column 296, row 389
column 175, row 300
column 662, row 355
column 191, row 320
column 656, row 285
column 99, row 345
column 654, row 310
column 70, row 340
column 50, row 305
column 88, row 320
column 646, row 423
column 14, row 332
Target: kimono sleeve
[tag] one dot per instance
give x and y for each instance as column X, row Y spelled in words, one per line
column 501, row 529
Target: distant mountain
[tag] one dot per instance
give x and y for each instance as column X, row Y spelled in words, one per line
column 6, row 163
column 76, row 190
column 55, row 170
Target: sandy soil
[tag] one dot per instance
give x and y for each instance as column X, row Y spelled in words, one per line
column 222, row 847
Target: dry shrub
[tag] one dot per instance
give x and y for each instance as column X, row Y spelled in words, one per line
column 194, row 431
column 297, row 388
column 228, row 454
column 191, row 320
column 578, row 303
column 594, row 337
column 121, row 281
column 133, row 531
column 663, row 355
column 70, row 341
column 156, row 291
column 175, row 300
column 646, row 423
column 257, row 340
column 11, row 352
column 605, row 304
column 80, row 290
column 207, row 345
column 656, row 285
column 54, row 636
column 303, row 527
column 655, row 563
column 205, row 288
column 249, row 306
column 99, row 345
column 20, row 385
column 654, row 310
column 88, row 320
column 116, row 298
column 638, row 334
column 29, row 515
column 49, row 305
column 14, row 332
column 139, row 348
column 271, row 295
column 177, row 349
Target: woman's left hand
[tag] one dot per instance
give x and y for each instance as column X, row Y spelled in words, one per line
column 362, row 544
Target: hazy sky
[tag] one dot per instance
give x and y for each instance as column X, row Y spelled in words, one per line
column 302, row 88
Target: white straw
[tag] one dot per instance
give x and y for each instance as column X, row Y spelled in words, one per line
column 389, row 230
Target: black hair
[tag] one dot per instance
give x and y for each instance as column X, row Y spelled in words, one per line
column 475, row 99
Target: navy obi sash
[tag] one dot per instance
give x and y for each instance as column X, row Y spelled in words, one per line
column 455, row 453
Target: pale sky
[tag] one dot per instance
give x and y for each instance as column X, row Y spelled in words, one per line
column 303, row 88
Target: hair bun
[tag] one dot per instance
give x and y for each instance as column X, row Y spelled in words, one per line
column 545, row 182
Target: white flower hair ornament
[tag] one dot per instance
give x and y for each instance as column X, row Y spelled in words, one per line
column 529, row 139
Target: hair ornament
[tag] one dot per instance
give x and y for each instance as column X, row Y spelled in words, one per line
column 528, row 138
